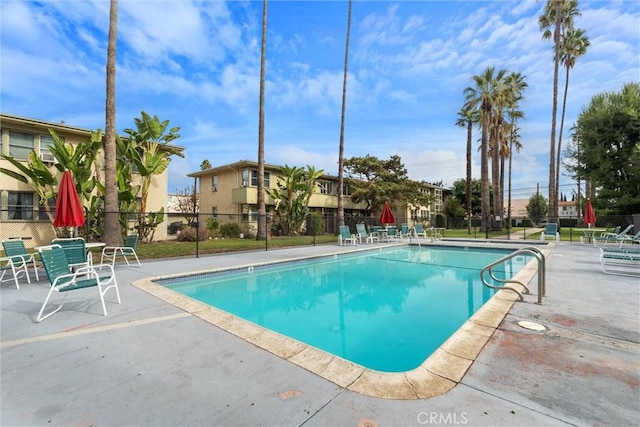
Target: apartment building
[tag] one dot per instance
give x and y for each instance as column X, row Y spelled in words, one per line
column 21, row 214
column 231, row 189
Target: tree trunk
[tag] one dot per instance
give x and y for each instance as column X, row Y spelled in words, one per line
column 469, row 193
column 564, row 108
column 112, row 235
column 484, row 175
column 262, row 211
column 344, row 106
column 553, row 197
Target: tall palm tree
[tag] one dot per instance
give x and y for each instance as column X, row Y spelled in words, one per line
column 557, row 14
column 573, row 45
column 344, row 106
column 262, row 211
column 111, row 235
column 467, row 117
column 482, row 97
column 515, row 84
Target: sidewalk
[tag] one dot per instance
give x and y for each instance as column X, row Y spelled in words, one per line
column 150, row 364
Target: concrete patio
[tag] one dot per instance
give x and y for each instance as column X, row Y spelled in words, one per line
column 149, row 363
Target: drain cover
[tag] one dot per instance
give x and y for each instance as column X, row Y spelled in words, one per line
column 531, row 325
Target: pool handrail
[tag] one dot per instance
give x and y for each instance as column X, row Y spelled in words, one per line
column 536, row 253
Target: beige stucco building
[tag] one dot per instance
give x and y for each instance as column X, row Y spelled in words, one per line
column 21, row 214
column 229, row 192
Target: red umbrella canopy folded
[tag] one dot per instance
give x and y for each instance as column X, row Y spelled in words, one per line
column 387, row 216
column 68, row 208
column 589, row 213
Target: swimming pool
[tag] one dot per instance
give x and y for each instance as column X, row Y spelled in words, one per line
column 386, row 310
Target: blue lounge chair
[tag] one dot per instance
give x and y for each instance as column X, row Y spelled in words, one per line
column 345, row 236
column 550, row 230
column 615, row 238
column 405, row 231
column 419, row 231
column 392, row 234
column 363, row 234
column 629, row 239
column 62, row 279
column 622, row 261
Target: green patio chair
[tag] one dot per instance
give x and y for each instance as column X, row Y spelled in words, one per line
column 127, row 250
column 75, row 250
column 61, row 280
column 17, row 259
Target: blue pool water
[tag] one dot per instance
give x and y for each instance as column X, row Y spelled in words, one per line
column 384, row 309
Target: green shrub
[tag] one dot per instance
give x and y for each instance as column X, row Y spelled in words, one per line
column 230, row 230
column 189, row 234
column 248, row 231
column 441, row 220
column 315, row 224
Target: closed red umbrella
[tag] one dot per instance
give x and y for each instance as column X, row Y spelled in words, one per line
column 68, row 208
column 387, row 216
column 589, row 214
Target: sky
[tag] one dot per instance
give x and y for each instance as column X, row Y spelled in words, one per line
column 197, row 64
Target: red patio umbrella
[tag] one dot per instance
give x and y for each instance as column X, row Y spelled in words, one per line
column 68, row 208
column 589, row 214
column 387, row 216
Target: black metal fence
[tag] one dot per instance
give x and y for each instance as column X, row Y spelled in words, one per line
column 196, row 228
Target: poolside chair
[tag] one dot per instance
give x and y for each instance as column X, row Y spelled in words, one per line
column 550, row 230
column 622, row 261
column 62, row 280
column 615, row 238
column 404, row 231
column 128, row 250
column 392, row 234
column 630, row 239
column 75, row 250
column 345, row 236
column 17, row 260
column 419, row 231
column 362, row 234
column 615, row 231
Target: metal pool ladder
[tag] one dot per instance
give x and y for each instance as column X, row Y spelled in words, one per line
column 537, row 254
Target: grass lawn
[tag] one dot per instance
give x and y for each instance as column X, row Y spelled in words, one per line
column 174, row 248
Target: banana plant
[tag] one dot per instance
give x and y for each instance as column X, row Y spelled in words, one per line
column 147, row 148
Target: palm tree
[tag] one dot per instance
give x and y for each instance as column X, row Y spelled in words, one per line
column 573, row 45
column 344, row 106
column 558, row 14
column 467, row 117
column 482, row 97
column 262, row 211
column 515, row 84
column 111, row 235
column 206, row 164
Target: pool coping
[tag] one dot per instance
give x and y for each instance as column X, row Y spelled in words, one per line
column 438, row 374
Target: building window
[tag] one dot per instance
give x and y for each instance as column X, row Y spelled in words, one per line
column 42, row 213
column 326, row 187
column 254, row 178
column 214, row 183
column 345, row 189
column 20, row 205
column 214, row 212
column 20, row 144
column 250, row 213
